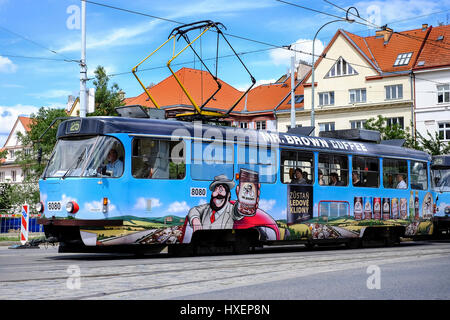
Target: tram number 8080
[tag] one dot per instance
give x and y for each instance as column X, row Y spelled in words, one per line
column 198, row 192
column 54, row 206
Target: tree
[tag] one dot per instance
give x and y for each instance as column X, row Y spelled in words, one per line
column 28, row 192
column 27, row 157
column 432, row 145
column 106, row 99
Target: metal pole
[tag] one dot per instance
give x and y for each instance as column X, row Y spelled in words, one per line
column 292, row 92
column 313, row 120
column 83, row 71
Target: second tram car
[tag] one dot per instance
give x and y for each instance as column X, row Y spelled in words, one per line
column 129, row 184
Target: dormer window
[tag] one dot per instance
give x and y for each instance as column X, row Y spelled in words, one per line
column 403, row 59
column 341, row 68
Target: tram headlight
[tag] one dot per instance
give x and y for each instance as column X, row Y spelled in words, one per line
column 39, row 207
column 72, row 207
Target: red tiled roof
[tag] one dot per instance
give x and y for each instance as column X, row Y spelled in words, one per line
column 26, row 122
column 168, row 93
column 435, row 53
column 380, row 54
column 199, row 85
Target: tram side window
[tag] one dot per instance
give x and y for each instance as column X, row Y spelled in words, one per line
column 260, row 159
column 366, row 172
column 210, row 159
column 291, row 161
column 395, row 174
column 158, row 159
column 334, row 169
column 419, row 175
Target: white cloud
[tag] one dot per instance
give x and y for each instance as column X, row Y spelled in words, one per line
column 382, row 12
column 52, row 94
column 141, row 203
column 7, row 66
column 304, row 52
column 125, row 36
column 267, row 205
column 176, row 207
column 243, row 87
column 9, row 114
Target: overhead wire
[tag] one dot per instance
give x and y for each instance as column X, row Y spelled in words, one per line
column 67, row 59
column 288, row 47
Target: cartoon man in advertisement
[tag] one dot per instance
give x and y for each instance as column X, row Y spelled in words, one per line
column 223, row 213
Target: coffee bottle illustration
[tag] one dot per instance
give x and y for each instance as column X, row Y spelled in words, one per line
column 248, row 192
column 416, row 207
column 411, row 206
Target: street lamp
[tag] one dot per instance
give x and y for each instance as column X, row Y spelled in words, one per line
column 313, row 56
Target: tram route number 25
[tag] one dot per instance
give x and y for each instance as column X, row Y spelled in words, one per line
column 198, row 192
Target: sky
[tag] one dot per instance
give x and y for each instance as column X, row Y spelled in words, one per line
column 38, row 40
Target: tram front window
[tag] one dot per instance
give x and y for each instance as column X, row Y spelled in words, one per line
column 87, row 157
column 440, row 180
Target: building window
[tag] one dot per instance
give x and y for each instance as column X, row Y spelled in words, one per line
column 2, row 176
column 444, row 130
column 394, row 92
column 11, row 154
column 243, row 125
column 395, row 121
column 403, row 59
column 13, row 176
column 357, row 124
column 341, row 68
column 326, row 98
column 299, row 98
column 326, row 126
column 291, row 161
column 260, row 125
column 357, row 95
column 443, row 93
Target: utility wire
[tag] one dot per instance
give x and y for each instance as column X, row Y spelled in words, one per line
column 249, row 39
column 39, row 45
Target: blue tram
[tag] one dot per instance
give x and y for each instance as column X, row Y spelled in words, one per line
column 115, row 183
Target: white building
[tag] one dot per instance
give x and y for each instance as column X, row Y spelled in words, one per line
column 10, row 170
column 432, row 85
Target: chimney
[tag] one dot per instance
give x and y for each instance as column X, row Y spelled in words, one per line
column 302, row 70
column 70, row 101
column 424, row 26
column 385, row 32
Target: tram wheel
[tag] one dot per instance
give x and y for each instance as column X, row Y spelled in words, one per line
column 353, row 244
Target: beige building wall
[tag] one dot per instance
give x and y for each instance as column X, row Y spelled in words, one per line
column 343, row 111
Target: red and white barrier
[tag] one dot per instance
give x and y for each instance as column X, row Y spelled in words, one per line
column 24, row 225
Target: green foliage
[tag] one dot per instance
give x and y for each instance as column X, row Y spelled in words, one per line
column 27, row 158
column 106, row 99
column 432, row 145
column 5, row 196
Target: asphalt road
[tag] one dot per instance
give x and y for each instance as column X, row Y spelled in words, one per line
column 412, row 270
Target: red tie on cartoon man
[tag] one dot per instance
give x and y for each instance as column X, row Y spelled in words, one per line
column 213, row 218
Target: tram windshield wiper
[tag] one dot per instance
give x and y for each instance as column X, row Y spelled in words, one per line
column 75, row 164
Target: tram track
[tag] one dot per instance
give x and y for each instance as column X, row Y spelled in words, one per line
column 168, row 278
